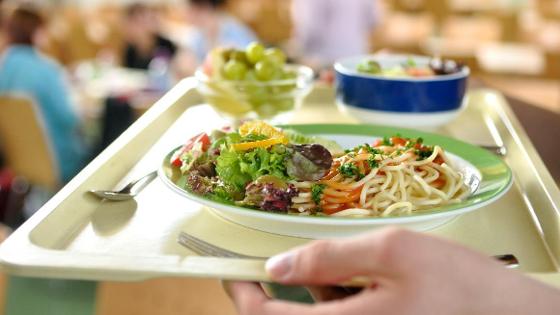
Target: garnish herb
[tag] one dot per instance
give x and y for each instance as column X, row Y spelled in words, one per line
column 350, row 170
column 372, row 162
column 386, row 141
column 424, row 153
column 317, row 192
column 371, row 149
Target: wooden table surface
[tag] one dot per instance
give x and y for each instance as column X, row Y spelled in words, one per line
column 543, row 128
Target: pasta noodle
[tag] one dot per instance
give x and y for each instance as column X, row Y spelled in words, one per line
column 394, row 177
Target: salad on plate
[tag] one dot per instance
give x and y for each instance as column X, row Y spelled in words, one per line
column 262, row 167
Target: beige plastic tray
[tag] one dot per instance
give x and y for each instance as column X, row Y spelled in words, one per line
column 76, row 236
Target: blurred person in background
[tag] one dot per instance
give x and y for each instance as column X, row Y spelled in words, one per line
column 326, row 30
column 26, row 71
column 213, row 27
column 144, row 41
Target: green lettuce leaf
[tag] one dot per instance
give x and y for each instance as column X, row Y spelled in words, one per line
column 229, row 170
column 239, row 168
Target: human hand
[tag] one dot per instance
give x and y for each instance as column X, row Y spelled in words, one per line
column 412, row 273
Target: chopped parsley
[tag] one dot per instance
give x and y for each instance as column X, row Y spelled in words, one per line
column 350, row 170
column 424, row 153
column 410, row 144
column 372, row 162
column 368, row 148
column 386, row 141
column 413, row 142
column 317, row 192
column 371, row 149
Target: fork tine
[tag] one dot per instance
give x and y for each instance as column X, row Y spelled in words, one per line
column 193, row 247
column 207, row 248
column 202, row 247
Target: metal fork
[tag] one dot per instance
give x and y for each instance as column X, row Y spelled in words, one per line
column 204, row 248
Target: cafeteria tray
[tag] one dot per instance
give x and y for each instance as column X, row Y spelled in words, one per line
column 76, row 236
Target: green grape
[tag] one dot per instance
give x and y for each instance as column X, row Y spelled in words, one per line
column 275, row 55
column 289, row 75
column 266, row 110
column 226, row 53
column 254, row 52
column 265, row 70
column 273, row 90
column 235, row 70
column 255, row 93
column 238, row 55
column 284, row 104
column 288, row 87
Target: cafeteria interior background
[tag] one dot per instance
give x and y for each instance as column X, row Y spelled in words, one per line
column 510, row 45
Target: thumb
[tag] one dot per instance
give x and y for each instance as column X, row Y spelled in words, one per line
column 335, row 261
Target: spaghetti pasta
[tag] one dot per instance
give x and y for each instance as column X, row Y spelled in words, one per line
column 396, row 176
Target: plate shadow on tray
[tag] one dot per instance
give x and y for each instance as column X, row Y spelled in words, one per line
column 110, row 217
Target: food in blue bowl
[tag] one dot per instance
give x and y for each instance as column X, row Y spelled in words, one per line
column 401, row 90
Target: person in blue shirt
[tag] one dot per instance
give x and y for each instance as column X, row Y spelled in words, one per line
column 25, row 71
column 213, row 27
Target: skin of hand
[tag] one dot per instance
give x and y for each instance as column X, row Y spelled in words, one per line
column 412, row 273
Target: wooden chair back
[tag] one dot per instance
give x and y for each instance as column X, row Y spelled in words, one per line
column 24, row 142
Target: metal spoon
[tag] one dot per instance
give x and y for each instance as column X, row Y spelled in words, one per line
column 128, row 192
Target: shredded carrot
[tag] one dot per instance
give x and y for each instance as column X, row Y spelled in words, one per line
column 332, row 208
column 352, row 196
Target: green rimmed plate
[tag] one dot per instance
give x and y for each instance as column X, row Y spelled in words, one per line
column 494, row 175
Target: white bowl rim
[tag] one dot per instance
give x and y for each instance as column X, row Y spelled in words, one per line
column 340, row 67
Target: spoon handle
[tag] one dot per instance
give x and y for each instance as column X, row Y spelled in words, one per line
column 136, row 186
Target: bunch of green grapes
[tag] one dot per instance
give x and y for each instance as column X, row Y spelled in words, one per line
column 253, row 68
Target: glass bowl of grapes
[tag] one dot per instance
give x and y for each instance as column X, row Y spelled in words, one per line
column 254, row 83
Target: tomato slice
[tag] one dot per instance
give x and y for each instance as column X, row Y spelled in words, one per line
column 176, row 159
column 439, row 160
column 398, row 141
column 203, row 138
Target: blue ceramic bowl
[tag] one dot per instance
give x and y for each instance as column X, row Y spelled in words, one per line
column 404, row 101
